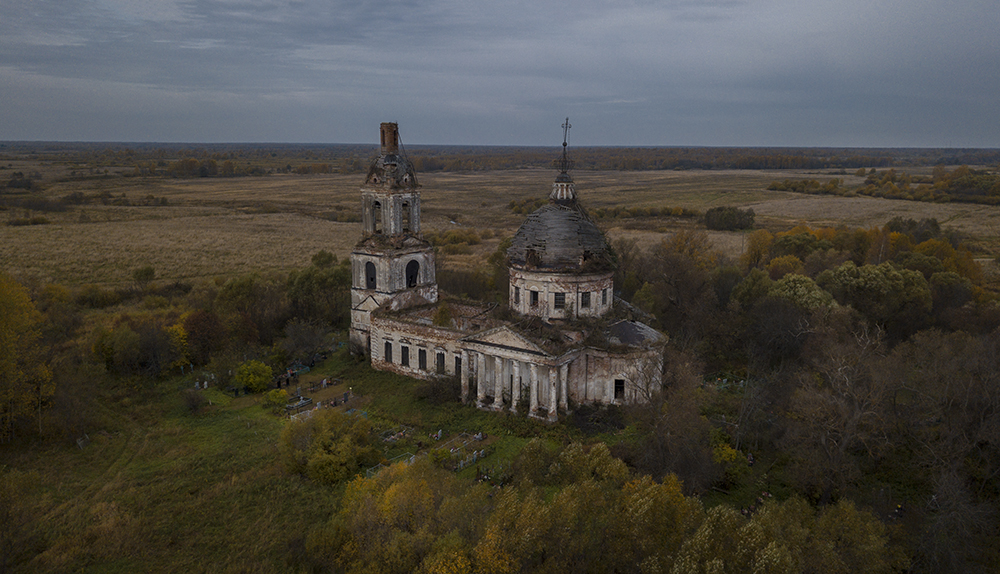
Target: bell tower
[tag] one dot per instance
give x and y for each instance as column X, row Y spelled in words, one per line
column 392, row 264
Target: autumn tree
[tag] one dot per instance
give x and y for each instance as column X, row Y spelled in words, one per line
column 205, row 335
column 253, row 308
column 758, row 249
column 25, row 379
column 790, row 537
column 255, row 375
column 841, row 408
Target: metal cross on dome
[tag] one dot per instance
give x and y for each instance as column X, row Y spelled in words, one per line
column 565, row 162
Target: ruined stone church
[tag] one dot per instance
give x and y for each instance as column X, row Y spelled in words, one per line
column 570, row 341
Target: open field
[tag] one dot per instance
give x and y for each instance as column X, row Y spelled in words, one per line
column 223, row 226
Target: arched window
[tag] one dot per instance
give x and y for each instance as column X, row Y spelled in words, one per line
column 377, row 217
column 371, row 282
column 412, row 272
column 407, row 227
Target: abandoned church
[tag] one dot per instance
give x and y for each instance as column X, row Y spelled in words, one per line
column 566, row 339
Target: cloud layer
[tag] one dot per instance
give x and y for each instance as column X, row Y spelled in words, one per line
column 627, row 72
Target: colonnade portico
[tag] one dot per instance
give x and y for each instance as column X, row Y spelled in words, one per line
column 502, row 379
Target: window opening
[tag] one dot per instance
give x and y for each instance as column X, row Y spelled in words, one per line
column 619, row 389
column 585, row 299
column 458, row 366
column 388, row 352
column 377, row 217
column 371, row 279
column 517, row 295
column 412, row 271
column 560, row 300
column 404, row 356
column 604, row 296
column 534, row 298
column 440, row 363
column 406, row 217
column 422, row 359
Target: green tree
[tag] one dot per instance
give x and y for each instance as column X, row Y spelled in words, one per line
column 255, row 375
column 899, row 299
column 322, row 292
column 802, row 291
column 253, row 308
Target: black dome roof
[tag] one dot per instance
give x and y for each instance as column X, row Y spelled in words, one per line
column 560, row 238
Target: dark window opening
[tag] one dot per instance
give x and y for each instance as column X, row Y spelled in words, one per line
column 585, row 299
column 371, row 281
column 412, row 271
column 404, row 356
column 422, row 359
column 619, row 389
column 388, row 352
column 517, row 295
column 604, row 296
column 440, row 363
column 458, row 366
column 560, row 301
column 531, row 258
column 406, row 217
column 534, row 298
column 377, row 217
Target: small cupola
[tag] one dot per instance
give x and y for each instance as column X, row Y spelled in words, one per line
column 563, row 190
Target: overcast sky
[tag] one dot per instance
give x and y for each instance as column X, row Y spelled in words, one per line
column 865, row 73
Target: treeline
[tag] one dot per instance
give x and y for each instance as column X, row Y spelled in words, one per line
column 681, row 158
column 579, row 509
column 961, row 184
column 225, row 160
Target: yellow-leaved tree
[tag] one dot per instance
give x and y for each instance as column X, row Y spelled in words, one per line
column 25, row 379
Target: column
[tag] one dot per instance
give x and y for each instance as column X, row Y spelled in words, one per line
column 466, row 375
column 480, row 379
column 498, row 383
column 553, row 391
column 533, row 398
column 515, row 395
column 564, row 387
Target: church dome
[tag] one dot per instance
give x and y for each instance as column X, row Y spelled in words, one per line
column 560, row 238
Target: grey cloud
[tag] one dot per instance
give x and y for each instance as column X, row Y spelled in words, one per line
column 639, row 72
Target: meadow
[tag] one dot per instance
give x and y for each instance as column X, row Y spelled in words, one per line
column 205, row 227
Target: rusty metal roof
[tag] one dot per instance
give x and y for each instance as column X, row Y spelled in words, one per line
column 560, row 238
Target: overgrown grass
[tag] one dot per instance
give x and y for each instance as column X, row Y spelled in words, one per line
column 171, row 492
column 162, row 488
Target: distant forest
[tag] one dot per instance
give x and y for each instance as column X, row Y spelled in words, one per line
column 222, row 160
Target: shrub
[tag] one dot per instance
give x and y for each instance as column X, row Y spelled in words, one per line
column 275, row 400
column 729, row 218
column 255, row 375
